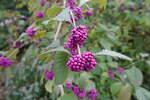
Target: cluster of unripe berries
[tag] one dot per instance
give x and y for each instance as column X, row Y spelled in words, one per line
column 92, row 94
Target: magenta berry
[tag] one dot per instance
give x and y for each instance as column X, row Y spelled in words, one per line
column 120, row 70
column 68, row 84
column 111, row 74
column 17, row 44
column 89, row 13
column 49, row 75
column 93, row 94
column 42, row 2
column 81, row 94
column 5, row 62
column 75, row 89
column 31, row 31
column 39, row 14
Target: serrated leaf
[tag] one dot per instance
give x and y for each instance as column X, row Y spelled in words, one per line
column 52, row 12
column 68, row 97
column 115, row 87
column 48, row 86
column 135, row 76
column 60, row 69
column 64, row 15
column 113, row 54
column 124, row 93
column 142, row 94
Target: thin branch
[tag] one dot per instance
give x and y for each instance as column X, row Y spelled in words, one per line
column 72, row 16
column 79, row 51
column 58, row 30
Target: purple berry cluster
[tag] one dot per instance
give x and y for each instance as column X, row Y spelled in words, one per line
column 5, row 62
column 78, row 36
column 71, row 3
column 85, row 62
column 92, row 94
column 77, row 11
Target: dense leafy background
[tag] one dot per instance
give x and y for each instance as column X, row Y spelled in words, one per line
column 127, row 32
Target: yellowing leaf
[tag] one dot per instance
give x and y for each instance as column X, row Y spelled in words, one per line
column 124, row 93
column 48, row 86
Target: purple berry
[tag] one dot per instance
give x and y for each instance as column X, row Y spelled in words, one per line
column 93, row 94
column 81, row 94
column 89, row 13
column 31, row 31
column 42, row 3
column 122, row 9
column 111, row 74
column 68, row 84
column 75, row 89
column 17, row 44
column 120, row 70
column 39, row 14
column 49, row 75
column 5, row 62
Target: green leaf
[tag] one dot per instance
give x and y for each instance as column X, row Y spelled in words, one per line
column 124, row 93
column 142, row 94
column 90, row 85
column 135, row 76
column 52, row 12
column 103, row 3
column 68, row 97
column 12, row 53
column 82, row 2
column 113, row 54
column 47, row 53
column 48, row 86
column 40, row 34
column 64, row 15
column 84, row 77
column 115, row 87
column 61, row 70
